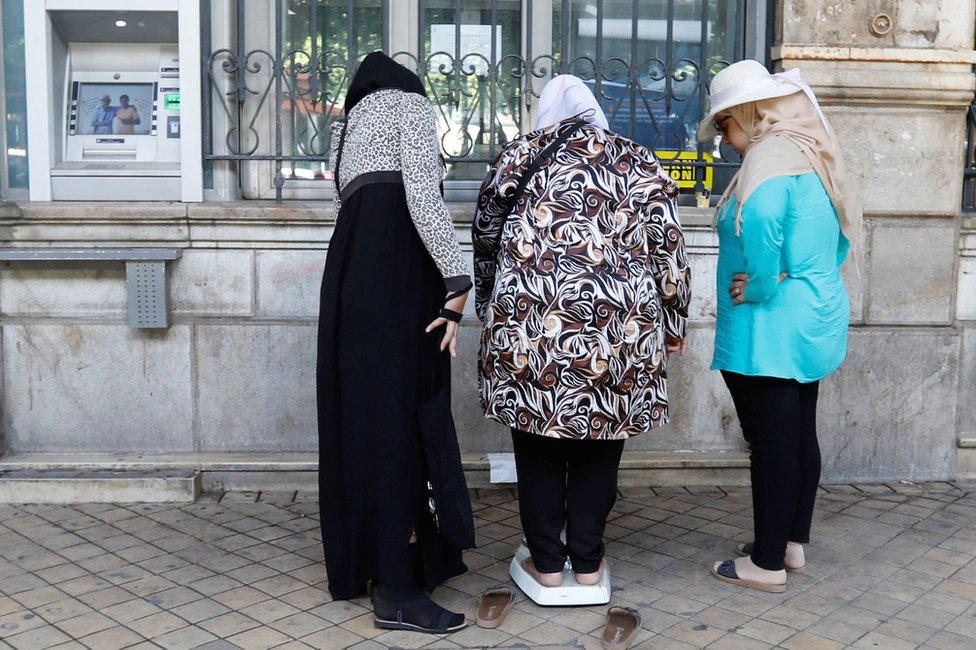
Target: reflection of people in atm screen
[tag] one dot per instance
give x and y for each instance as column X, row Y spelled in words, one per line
column 127, row 115
column 104, row 114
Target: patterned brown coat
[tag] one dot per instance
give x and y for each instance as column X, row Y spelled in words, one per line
column 586, row 284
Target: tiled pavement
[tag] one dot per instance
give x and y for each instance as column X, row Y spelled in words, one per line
column 891, row 567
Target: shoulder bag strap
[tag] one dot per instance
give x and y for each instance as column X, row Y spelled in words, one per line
column 533, row 168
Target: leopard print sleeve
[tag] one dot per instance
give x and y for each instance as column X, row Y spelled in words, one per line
column 422, row 175
column 336, row 134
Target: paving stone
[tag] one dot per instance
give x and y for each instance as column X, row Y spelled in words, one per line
column 765, row 631
column 228, row 624
column 38, row 638
column 269, row 610
column 219, row 644
column 334, row 637
column 738, row 642
column 300, row 625
column 240, row 597
column 131, row 610
column 40, row 596
column 694, row 632
column 338, row 611
column 62, row 610
column 807, row 641
column 906, row 630
column 878, row 640
column 113, row 638
column 85, row 624
column 200, row 610
column 948, row 641
column 157, row 624
column 184, row 638
column 892, row 566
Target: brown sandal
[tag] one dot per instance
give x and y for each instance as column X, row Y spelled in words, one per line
column 494, row 605
column 622, row 624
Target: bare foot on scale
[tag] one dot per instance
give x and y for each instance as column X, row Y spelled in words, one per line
column 592, row 578
column 544, row 579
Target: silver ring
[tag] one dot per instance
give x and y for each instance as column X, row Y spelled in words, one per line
column 735, row 292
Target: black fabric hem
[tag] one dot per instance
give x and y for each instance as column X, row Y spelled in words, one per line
column 542, row 567
column 458, row 283
column 768, row 566
column 349, row 595
column 370, row 178
column 586, row 567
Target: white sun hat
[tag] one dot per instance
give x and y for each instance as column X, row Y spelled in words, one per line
column 749, row 81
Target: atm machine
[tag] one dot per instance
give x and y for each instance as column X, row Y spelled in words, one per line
column 106, row 120
column 121, row 123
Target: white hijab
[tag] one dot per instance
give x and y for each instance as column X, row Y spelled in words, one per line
column 567, row 96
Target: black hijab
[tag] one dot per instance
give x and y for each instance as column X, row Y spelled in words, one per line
column 380, row 71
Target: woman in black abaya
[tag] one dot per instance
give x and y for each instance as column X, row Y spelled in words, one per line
column 392, row 292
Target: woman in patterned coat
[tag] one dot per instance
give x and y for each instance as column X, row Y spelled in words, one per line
column 393, row 285
column 583, row 287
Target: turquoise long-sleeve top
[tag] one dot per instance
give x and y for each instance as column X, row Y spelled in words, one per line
column 794, row 328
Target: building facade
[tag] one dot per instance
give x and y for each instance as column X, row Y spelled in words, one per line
column 199, row 352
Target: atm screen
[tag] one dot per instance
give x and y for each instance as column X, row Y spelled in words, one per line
column 112, row 108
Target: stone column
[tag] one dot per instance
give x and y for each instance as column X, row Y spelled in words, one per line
column 8, row 211
column 895, row 78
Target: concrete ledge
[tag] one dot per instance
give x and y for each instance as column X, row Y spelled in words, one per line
column 299, row 471
column 32, row 486
column 211, row 462
column 651, row 468
column 234, row 224
column 10, row 210
column 966, row 457
column 800, row 52
column 260, row 481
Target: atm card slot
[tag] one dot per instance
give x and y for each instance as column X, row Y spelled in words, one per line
column 105, row 154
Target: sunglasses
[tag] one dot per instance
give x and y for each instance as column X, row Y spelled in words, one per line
column 720, row 122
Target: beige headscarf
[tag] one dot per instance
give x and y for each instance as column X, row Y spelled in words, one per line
column 787, row 137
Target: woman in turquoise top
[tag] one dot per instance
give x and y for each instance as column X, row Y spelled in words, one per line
column 784, row 227
column 791, row 319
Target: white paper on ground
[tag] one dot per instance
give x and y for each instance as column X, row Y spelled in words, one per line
column 502, row 468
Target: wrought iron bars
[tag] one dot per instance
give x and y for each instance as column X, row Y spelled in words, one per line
column 268, row 95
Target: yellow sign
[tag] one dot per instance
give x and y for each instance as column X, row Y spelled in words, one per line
column 686, row 176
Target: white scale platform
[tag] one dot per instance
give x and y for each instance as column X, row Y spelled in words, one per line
column 569, row 592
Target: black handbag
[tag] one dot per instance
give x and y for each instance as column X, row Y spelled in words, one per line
column 449, row 502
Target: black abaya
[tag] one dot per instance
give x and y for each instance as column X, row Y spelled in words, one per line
column 376, row 365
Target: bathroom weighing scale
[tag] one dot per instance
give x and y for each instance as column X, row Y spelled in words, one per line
column 569, row 592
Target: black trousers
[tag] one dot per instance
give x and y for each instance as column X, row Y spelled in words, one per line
column 565, row 483
column 779, row 422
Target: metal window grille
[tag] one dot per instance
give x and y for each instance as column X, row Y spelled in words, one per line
column 277, row 105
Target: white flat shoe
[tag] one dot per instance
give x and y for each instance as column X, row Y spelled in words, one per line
column 725, row 571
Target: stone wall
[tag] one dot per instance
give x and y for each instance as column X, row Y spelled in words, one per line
column 235, row 371
column 897, row 100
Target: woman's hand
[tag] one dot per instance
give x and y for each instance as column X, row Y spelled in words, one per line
column 738, row 289
column 677, row 345
column 451, row 330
